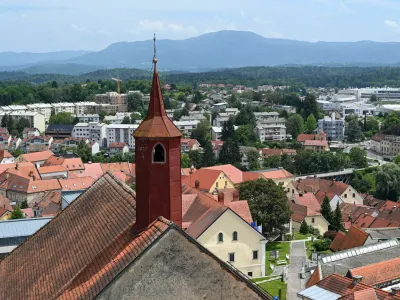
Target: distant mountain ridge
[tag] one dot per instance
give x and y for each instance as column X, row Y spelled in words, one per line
column 223, row 49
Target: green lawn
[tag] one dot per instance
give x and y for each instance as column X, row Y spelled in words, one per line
column 273, row 287
column 283, row 247
column 310, row 249
column 299, row 236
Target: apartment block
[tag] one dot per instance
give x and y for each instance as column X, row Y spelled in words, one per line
column 334, row 129
column 93, row 131
column 121, row 133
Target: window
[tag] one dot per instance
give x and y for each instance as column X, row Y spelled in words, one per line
column 158, row 154
column 216, row 184
column 345, row 195
column 250, row 274
column 255, row 254
column 313, row 220
column 235, row 236
column 354, row 195
column 231, row 256
column 226, row 183
column 220, row 237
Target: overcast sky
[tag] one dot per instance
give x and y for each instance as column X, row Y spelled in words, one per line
column 53, row 25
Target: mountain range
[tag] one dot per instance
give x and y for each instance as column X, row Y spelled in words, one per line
column 218, row 50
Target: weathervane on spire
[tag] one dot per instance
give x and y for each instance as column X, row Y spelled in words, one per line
column 155, row 58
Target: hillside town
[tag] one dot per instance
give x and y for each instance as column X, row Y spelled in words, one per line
column 263, row 192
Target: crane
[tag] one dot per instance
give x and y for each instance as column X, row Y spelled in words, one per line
column 118, row 89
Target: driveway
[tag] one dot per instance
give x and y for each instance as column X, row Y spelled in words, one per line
column 298, row 255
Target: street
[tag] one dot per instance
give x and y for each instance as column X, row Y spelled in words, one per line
column 298, row 255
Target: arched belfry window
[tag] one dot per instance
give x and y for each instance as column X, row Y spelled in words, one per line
column 159, row 154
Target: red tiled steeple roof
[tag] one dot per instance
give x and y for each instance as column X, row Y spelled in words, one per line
column 156, row 123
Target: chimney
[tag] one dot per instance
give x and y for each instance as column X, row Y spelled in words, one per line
column 191, row 169
column 395, row 290
column 7, row 175
column 221, row 196
column 34, row 178
column 235, row 195
column 197, row 184
column 16, row 166
column 30, row 174
column 356, row 280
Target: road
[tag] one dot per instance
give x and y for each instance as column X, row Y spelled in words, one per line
column 298, row 255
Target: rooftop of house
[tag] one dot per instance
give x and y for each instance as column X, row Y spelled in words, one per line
column 5, row 154
column 52, row 169
column 355, row 237
column 242, row 209
column 119, row 145
column 271, row 152
column 24, row 169
column 275, row 174
column 315, row 143
column 308, row 200
column 383, row 233
column 73, row 184
column 93, row 170
column 205, row 177
column 21, row 227
column 120, row 166
column 37, row 156
column 233, row 173
column 190, row 142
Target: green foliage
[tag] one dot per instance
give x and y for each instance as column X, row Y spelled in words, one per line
column 272, row 162
column 24, row 204
column 230, row 153
column 196, row 158
column 245, row 135
column 373, row 98
column 353, row 131
column 4, row 121
column 208, row 155
column 326, row 210
column 268, row 204
column 303, row 227
column 102, row 114
column 307, row 162
column 22, row 124
column 311, row 124
column 202, row 132
column 84, row 152
column 295, row 125
column 63, row 118
column 364, row 181
column 17, row 213
column 228, row 130
column 17, row 152
column 126, row 120
column 245, row 117
column 391, row 124
column 253, row 158
column 310, row 106
column 337, row 222
column 322, row 245
column 358, row 157
column 185, row 161
column 388, row 182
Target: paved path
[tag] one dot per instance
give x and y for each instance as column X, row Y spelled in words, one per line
column 298, row 255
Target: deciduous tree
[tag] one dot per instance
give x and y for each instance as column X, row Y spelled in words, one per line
column 295, row 125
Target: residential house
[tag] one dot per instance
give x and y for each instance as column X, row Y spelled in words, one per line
column 123, row 252
column 208, row 180
column 355, row 237
column 44, row 108
column 117, row 147
column 270, row 132
column 70, row 164
column 320, row 136
column 5, row 142
column 322, row 187
column 316, row 145
column 86, row 118
column 6, row 157
column 313, row 218
column 266, row 152
column 93, row 170
column 186, row 127
column 46, row 204
column 30, row 132
column 53, row 172
column 76, row 184
column 37, row 158
column 279, row 176
column 246, row 152
column 24, row 169
column 121, row 133
column 189, row 145
column 35, row 119
column 13, row 144
column 36, row 144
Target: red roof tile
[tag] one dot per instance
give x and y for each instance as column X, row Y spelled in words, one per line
column 120, row 166
column 233, row 173
column 36, row 156
column 355, row 237
column 242, row 209
column 93, row 170
column 51, row 169
column 277, row 174
column 308, row 200
column 74, row 184
column 5, row 154
column 301, row 138
column 248, row 176
column 379, row 273
column 266, row 152
column 119, row 145
column 364, row 221
column 206, row 178
column 190, row 142
column 337, row 242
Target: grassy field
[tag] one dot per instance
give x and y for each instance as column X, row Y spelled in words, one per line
column 283, row 247
column 310, row 249
column 299, row 236
column 273, row 287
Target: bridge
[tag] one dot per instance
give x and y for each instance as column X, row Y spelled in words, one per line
column 344, row 175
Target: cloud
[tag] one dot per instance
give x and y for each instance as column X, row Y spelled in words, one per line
column 391, row 23
column 77, row 28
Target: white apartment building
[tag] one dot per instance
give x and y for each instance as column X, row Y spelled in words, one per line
column 121, row 133
column 186, row 127
column 266, row 115
column 36, row 120
column 328, row 105
column 383, row 93
column 86, row 118
column 64, row 107
column 216, row 133
column 273, row 132
column 93, row 131
column 43, row 108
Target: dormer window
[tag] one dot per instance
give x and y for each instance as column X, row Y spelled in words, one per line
column 158, row 154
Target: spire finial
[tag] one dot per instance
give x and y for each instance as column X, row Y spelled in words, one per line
column 155, row 50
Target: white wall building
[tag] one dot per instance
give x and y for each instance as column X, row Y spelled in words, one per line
column 43, row 108
column 93, row 131
column 334, row 129
column 64, row 107
column 186, row 127
column 121, row 133
column 88, row 118
column 271, row 132
column 36, row 120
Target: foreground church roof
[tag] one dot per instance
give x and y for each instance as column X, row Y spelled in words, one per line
column 91, row 250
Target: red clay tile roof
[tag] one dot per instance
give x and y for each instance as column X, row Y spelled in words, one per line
column 72, row 164
column 364, row 221
column 379, row 223
column 308, row 200
column 186, row 171
column 36, row 156
column 367, row 294
column 5, row 154
column 378, row 137
column 378, row 273
column 117, row 145
column 388, row 205
column 337, row 241
column 316, row 143
column 242, row 209
column 24, row 169
column 248, row 176
column 301, row 138
column 5, row 203
column 156, row 123
column 355, row 237
column 233, row 173
column 277, row 174
column 266, row 152
column 299, row 212
column 58, row 241
column 43, row 199
column 315, row 278
column 190, row 142
column 206, row 178
column 4, row 211
column 74, row 184
column 24, row 185
column 289, row 151
column 93, row 170
column 321, row 187
column 51, row 169
column 120, row 166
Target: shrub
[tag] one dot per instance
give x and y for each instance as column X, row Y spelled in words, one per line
column 313, row 231
column 322, row 245
column 288, row 237
column 304, row 228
